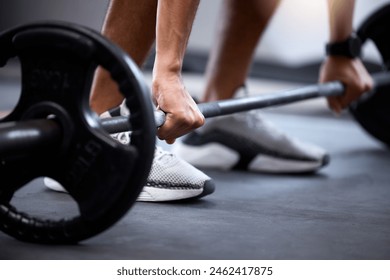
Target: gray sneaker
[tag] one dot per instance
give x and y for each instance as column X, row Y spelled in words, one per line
column 246, row 141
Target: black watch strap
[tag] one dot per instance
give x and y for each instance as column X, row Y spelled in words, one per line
column 351, row 47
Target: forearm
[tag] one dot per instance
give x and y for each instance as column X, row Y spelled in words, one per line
column 340, row 19
column 124, row 25
column 130, row 24
column 174, row 24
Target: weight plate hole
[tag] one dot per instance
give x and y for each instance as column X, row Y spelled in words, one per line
column 10, row 86
column 43, row 203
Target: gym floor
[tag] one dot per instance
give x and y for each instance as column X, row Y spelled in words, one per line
column 342, row 212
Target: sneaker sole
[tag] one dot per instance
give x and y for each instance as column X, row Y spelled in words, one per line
column 223, row 158
column 153, row 194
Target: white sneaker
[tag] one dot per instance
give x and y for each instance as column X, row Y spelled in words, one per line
column 246, row 141
column 170, row 178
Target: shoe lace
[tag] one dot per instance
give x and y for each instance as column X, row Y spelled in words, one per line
column 122, row 137
column 253, row 118
column 162, row 155
column 159, row 154
column 256, row 121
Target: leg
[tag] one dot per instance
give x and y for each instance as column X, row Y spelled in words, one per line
column 243, row 141
column 241, row 27
column 131, row 25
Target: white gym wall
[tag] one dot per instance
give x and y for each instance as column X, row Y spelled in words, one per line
column 296, row 34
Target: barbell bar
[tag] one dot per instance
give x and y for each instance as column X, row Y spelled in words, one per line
column 40, row 133
column 236, row 105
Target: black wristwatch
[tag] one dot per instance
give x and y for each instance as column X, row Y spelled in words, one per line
column 351, row 47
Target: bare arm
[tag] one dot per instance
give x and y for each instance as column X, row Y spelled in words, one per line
column 124, row 24
column 340, row 19
column 349, row 71
column 174, row 24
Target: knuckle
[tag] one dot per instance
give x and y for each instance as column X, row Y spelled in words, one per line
column 161, row 134
column 200, row 121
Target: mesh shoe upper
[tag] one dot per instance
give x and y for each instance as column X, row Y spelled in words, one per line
column 168, row 171
column 170, row 178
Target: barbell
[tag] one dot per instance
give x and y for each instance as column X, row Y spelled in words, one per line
column 43, row 132
column 53, row 132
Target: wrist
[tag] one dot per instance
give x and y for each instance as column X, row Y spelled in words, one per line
column 167, row 66
column 350, row 47
column 162, row 78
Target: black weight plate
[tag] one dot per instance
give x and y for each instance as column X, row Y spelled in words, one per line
column 373, row 114
column 372, row 111
column 376, row 29
column 58, row 61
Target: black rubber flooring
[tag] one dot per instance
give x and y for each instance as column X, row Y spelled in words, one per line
column 342, row 212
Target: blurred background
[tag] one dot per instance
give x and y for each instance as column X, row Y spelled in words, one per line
column 294, row 40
